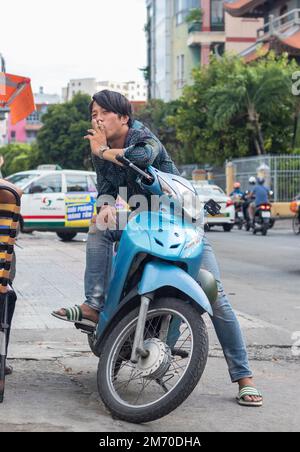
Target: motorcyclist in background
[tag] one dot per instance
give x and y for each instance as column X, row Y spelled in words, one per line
column 237, row 198
column 260, row 193
column 236, row 190
column 248, row 198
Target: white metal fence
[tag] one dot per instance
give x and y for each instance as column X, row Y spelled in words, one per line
column 282, row 174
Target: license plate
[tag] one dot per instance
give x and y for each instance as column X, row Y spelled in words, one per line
column 266, row 214
column 240, row 215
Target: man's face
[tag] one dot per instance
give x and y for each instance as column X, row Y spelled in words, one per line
column 114, row 125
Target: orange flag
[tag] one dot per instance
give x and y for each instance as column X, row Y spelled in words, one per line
column 16, row 93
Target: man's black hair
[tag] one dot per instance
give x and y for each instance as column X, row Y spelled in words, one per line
column 114, row 102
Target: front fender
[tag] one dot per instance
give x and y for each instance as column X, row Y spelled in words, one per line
column 159, row 274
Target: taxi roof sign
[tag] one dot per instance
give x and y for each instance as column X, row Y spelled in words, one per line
column 49, row 168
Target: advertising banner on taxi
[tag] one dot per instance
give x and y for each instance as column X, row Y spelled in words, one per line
column 79, row 210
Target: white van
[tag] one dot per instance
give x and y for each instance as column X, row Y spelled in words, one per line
column 62, row 201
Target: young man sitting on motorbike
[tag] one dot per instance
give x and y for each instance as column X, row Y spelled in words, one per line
column 114, row 133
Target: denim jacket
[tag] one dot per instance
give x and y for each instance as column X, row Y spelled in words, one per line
column 142, row 148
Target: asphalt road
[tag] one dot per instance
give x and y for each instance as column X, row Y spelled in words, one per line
column 53, row 387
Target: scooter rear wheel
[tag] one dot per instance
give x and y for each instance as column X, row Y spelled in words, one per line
column 159, row 383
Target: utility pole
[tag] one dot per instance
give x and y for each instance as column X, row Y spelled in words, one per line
column 3, row 69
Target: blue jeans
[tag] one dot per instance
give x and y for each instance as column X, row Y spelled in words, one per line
column 97, row 275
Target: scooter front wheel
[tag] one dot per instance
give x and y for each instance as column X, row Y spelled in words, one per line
column 176, row 341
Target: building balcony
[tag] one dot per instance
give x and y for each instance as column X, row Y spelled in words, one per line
column 279, row 25
column 196, row 26
column 198, row 38
column 33, row 126
column 217, row 25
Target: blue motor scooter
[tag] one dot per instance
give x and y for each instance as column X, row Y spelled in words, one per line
column 151, row 340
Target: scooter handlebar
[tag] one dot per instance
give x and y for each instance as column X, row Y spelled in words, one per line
column 123, row 160
column 129, row 164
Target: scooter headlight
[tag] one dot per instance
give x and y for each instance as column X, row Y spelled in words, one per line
column 186, row 200
column 191, row 204
column 167, row 189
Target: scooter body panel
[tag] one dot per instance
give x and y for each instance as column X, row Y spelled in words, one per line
column 160, row 274
column 166, row 238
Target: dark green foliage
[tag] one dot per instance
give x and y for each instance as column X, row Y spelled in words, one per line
column 60, row 141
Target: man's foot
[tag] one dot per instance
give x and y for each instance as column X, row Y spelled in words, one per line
column 83, row 315
column 248, row 394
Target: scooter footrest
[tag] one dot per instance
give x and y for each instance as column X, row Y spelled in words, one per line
column 85, row 329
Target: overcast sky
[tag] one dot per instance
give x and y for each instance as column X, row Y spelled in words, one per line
column 51, row 41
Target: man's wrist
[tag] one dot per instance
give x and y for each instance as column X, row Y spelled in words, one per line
column 101, row 150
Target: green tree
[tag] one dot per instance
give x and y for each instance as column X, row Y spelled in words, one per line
column 60, row 141
column 259, row 93
column 235, row 109
column 155, row 116
column 19, row 157
column 195, row 15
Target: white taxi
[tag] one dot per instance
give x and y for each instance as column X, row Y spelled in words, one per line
column 226, row 218
column 62, row 201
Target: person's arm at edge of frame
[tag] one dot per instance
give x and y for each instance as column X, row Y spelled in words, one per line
column 6, row 196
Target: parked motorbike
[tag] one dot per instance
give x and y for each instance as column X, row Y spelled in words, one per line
column 151, row 339
column 263, row 220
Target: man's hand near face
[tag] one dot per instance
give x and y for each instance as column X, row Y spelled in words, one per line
column 98, row 142
column 96, row 137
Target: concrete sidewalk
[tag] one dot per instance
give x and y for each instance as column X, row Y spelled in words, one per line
column 54, row 387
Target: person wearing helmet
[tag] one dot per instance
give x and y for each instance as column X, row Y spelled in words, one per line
column 236, row 190
column 260, row 195
column 237, row 197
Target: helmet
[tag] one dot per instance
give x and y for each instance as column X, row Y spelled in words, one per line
column 260, row 180
column 252, row 180
column 237, row 185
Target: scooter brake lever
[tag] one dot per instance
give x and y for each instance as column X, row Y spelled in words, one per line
column 212, row 207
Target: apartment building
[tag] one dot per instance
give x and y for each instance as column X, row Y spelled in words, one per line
column 175, row 47
column 133, row 90
column 25, row 131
